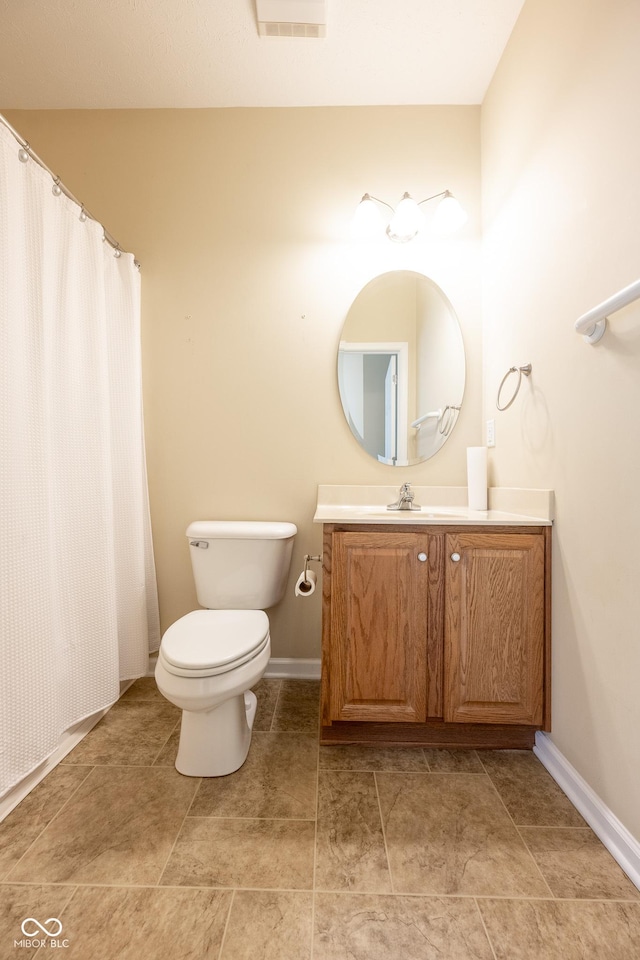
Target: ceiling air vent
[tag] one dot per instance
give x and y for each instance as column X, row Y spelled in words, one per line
column 292, row 18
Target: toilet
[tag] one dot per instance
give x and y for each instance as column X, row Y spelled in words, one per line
column 209, row 659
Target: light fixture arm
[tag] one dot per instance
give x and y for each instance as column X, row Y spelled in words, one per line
column 405, row 196
column 443, row 193
column 367, row 196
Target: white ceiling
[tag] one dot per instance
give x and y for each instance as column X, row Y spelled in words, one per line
column 72, row 54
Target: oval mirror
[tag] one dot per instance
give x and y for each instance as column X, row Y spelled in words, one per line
column 401, row 368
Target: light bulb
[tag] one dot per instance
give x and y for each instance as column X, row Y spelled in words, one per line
column 449, row 215
column 367, row 222
column 406, row 221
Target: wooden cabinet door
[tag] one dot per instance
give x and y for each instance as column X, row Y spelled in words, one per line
column 494, row 628
column 378, row 642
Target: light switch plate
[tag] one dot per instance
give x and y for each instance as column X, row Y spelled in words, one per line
column 491, row 433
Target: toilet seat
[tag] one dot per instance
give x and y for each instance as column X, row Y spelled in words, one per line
column 205, row 643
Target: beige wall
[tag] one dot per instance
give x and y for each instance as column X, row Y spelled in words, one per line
column 240, row 219
column 561, row 204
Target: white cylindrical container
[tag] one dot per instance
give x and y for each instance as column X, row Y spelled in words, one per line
column 306, row 584
column 477, row 477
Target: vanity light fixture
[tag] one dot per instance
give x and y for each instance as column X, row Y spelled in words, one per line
column 407, row 219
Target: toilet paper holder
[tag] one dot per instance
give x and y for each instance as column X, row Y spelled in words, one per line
column 306, row 583
column 307, row 560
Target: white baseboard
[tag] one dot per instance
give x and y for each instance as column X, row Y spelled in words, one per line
column 292, row 668
column 278, row 668
column 622, row 846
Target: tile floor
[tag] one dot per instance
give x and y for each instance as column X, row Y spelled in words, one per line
column 307, row 852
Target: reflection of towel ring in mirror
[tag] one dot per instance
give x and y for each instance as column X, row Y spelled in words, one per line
column 526, row 369
column 445, row 421
column 448, row 419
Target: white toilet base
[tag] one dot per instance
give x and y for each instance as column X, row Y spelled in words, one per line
column 217, row 715
column 216, row 742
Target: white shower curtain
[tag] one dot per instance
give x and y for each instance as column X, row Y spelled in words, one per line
column 78, row 595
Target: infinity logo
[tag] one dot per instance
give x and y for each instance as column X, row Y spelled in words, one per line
column 55, row 931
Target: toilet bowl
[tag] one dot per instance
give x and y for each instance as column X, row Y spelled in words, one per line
column 207, row 663
column 209, row 659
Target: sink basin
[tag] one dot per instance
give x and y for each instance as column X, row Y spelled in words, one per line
column 434, row 512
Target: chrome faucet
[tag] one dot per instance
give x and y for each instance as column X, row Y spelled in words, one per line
column 405, row 500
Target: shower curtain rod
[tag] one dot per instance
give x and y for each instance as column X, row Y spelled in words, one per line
column 58, row 183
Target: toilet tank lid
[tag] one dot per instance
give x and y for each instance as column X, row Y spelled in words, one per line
column 241, row 530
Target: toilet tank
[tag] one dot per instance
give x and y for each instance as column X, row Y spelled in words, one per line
column 240, row 564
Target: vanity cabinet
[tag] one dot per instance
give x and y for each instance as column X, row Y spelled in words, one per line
column 494, row 627
column 435, row 635
column 379, row 636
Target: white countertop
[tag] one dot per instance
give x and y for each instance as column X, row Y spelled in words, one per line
column 439, row 506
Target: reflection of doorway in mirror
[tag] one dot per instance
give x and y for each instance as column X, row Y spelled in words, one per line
column 390, row 407
column 374, row 386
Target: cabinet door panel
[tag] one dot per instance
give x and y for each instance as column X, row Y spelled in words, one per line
column 494, row 628
column 379, row 627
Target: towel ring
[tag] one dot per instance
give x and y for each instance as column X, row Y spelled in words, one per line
column 526, row 369
column 448, row 419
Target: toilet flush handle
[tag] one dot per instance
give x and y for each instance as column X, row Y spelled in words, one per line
column 203, row 544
